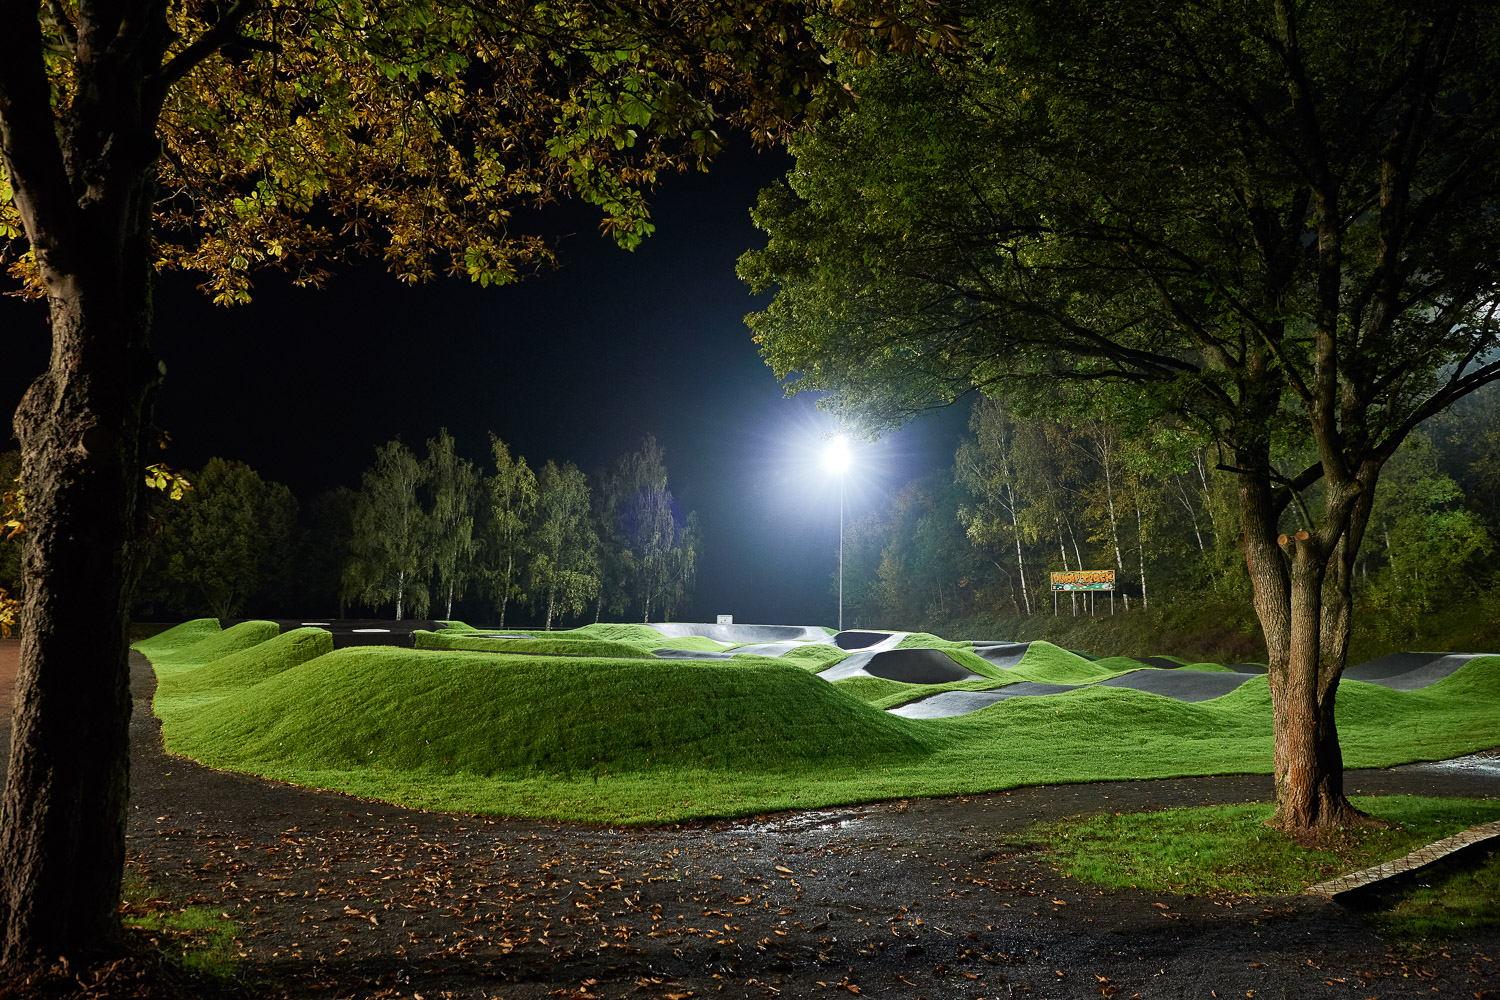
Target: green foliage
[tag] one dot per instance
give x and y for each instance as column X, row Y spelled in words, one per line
column 388, row 547
column 511, row 499
column 453, row 484
column 222, row 544
column 1431, row 545
column 1229, row 849
column 652, row 547
column 420, row 128
column 562, row 571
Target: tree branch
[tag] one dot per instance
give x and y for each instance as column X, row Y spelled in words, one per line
column 222, row 33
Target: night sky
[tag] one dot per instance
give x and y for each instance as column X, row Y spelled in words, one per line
column 575, row 364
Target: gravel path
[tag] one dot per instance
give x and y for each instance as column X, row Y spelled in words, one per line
column 339, row 897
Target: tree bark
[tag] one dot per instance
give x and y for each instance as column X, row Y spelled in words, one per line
column 62, row 819
column 1140, row 538
column 1306, row 638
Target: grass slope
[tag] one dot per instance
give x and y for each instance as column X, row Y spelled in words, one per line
column 641, row 740
column 219, row 644
column 195, row 684
column 543, row 645
column 178, row 637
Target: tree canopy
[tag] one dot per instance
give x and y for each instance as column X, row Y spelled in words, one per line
column 1273, row 222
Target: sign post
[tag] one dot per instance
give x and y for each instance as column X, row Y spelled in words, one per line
column 1089, row 580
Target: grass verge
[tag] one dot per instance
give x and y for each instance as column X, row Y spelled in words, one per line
column 1446, row 903
column 1212, row 850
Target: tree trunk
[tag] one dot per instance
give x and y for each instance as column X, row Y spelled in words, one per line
column 400, row 592
column 450, row 601
column 551, row 596
column 1140, row 538
column 510, row 566
column 1289, row 575
column 1020, row 560
column 1109, row 496
column 62, row 820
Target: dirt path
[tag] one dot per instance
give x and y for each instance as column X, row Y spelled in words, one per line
column 338, row 897
column 10, row 653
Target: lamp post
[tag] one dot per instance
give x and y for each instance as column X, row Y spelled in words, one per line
column 836, row 458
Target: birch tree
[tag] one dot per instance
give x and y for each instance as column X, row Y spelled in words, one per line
column 391, row 533
column 563, row 571
column 452, row 483
column 510, row 505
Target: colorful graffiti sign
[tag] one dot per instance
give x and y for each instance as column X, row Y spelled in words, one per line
column 1084, row 579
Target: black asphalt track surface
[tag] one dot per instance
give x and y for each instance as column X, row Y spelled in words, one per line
column 1184, row 685
column 856, row 639
column 910, row 666
column 1004, row 655
column 742, row 633
column 946, row 704
column 1408, row 671
column 1420, row 670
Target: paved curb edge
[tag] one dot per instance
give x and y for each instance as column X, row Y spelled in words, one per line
column 1420, row 858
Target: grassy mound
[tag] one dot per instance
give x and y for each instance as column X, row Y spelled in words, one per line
column 635, row 739
column 473, row 713
column 543, row 645
column 1049, row 664
column 178, row 637
column 213, row 647
column 245, row 668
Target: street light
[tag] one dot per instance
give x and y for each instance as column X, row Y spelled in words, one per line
column 836, row 458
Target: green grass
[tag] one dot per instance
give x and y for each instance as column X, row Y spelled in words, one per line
column 246, row 668
column 815, row 658
column 185, row 655
column 542, row 645
column 635, row 740
column 1447, row 903
column 179, row 637
column 1229, row 850
column 198, row 939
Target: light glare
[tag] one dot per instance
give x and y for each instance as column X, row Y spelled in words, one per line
column 836, row 457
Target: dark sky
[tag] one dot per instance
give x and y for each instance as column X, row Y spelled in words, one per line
column 575, row 364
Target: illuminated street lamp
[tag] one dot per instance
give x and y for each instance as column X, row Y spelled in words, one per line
column 836, row 458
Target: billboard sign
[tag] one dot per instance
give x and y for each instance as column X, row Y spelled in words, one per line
column 1084, row 579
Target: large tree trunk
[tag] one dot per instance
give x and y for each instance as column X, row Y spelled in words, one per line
column 1306, row 639
column 62, row 820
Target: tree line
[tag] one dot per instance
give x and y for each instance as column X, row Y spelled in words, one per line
column 422, row 535
column 1029, row 495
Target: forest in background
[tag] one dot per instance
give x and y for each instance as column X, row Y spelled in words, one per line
column 968, row 552
column 422, row 536
column 968, row 549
